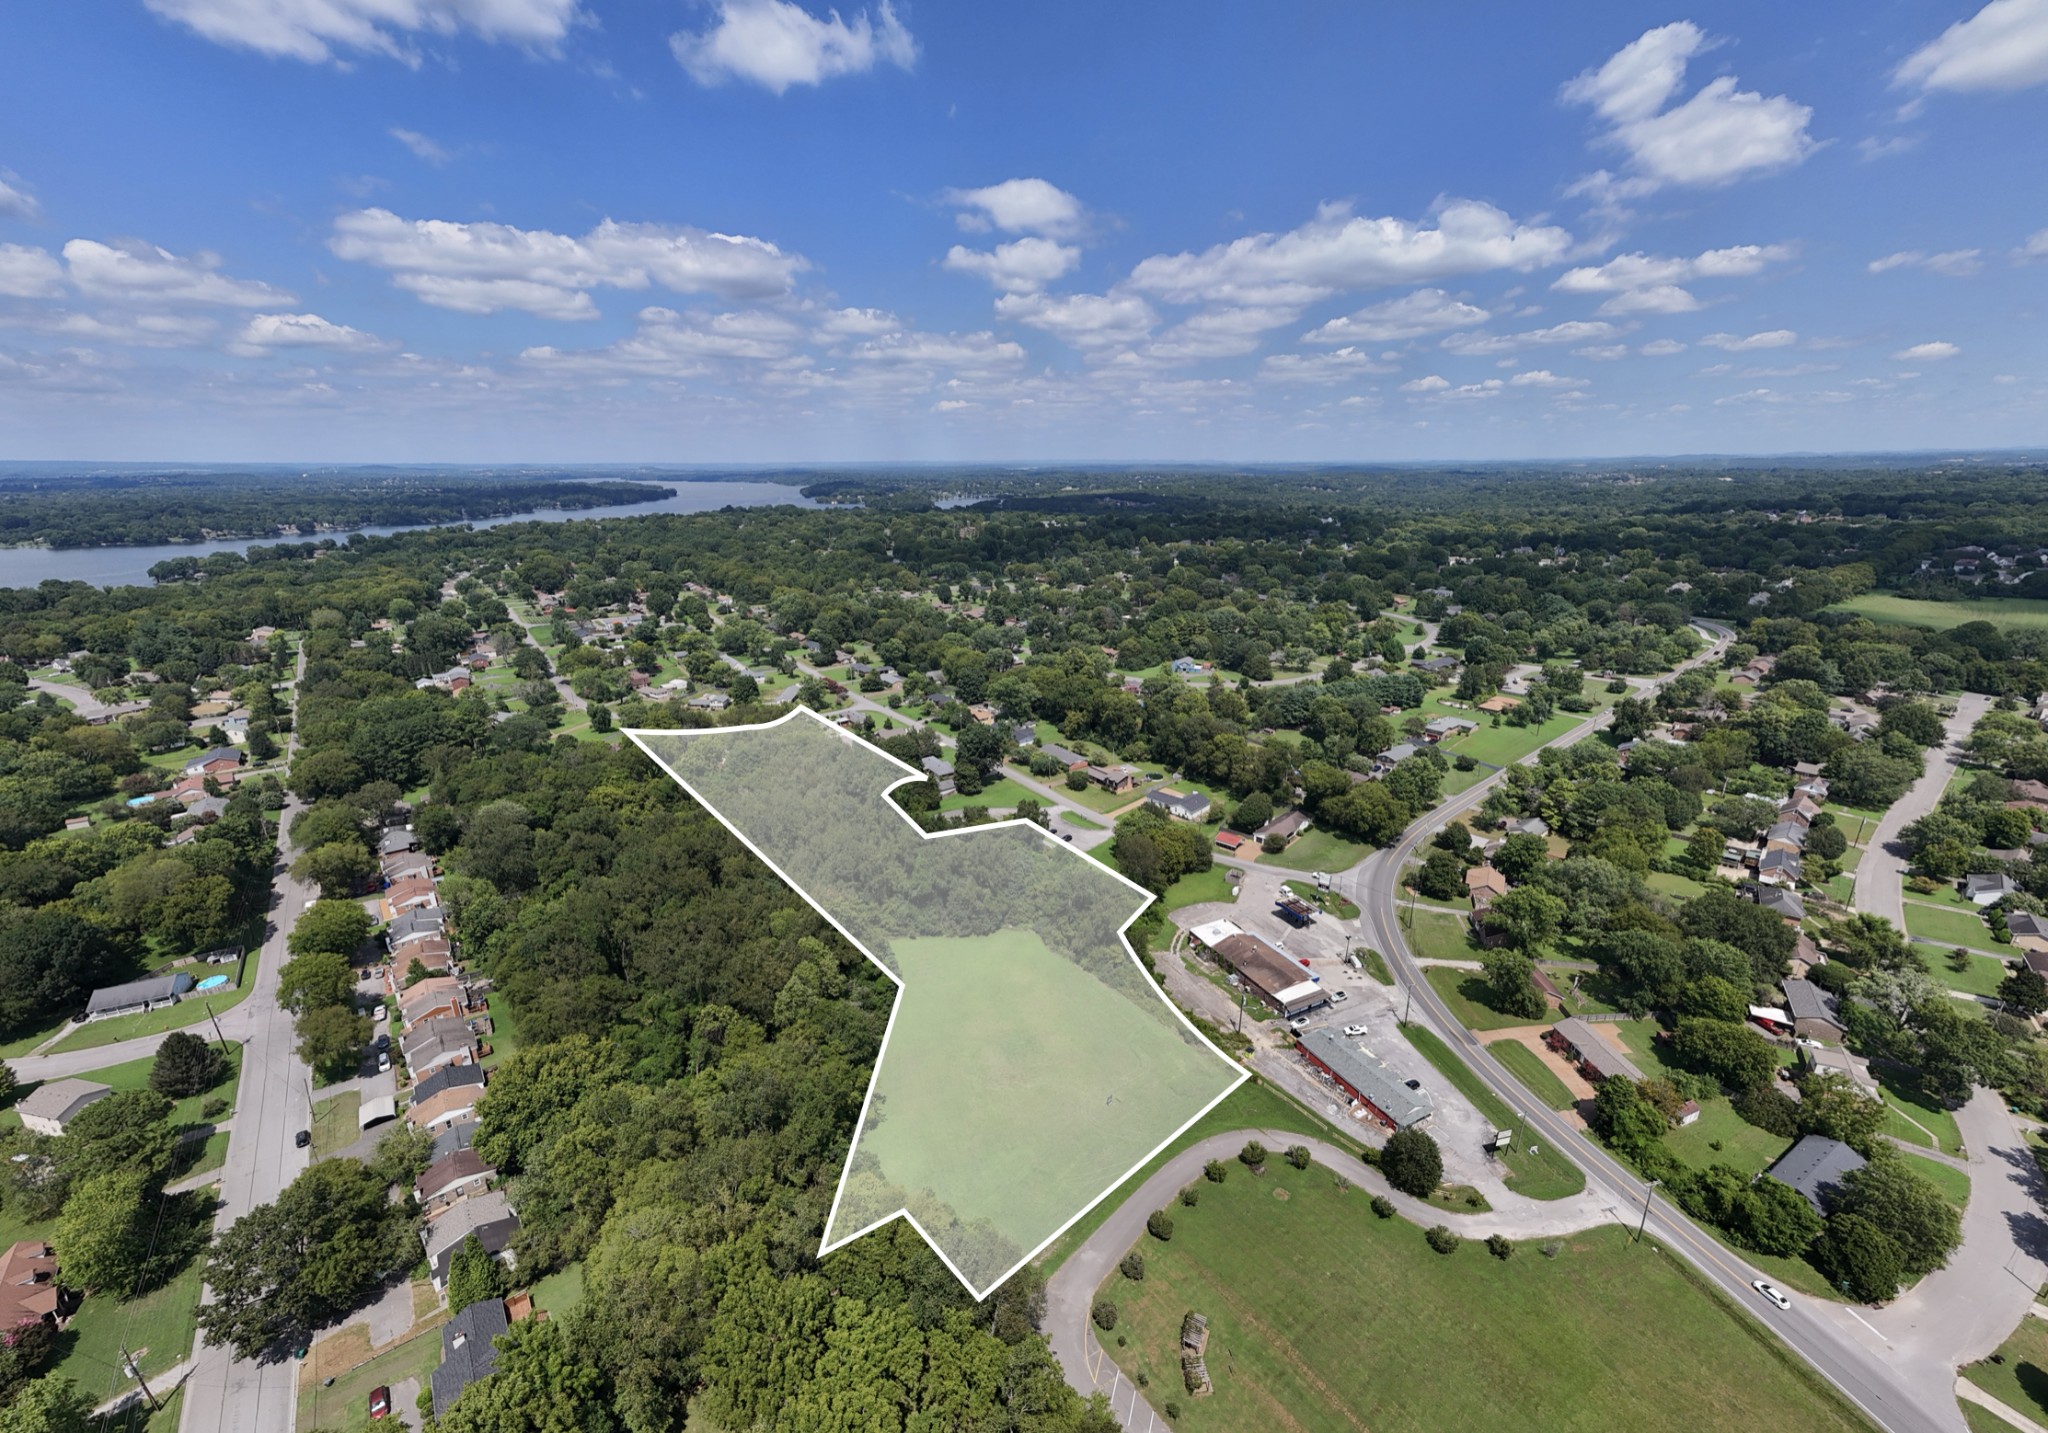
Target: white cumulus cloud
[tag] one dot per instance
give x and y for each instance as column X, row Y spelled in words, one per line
column 487, row 268
column 143, row 273
column 1736, row 343
column 678, row 345
column 1924, row 352
column 1716, row 136
column 1087, row 321
column 1661, row 348
column 776, row 44
column 2035, row 247
column 1573, row 331
column 1336, row 366
column 1415, row 315
column 1018, row 206
column 29, row 273
column 2004, row 46
column 1644, row 283
column 1022, row 267
column 267, row 332
column 313, row 30
column 1338, row 251
column 1544, row 378
column 15, row 202
column 1429, row 383
column 1955, row 264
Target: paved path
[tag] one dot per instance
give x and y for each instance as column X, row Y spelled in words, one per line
column 84, row 702
column 1972, row 1393
column 1960, row 1313
column 1881, row 874
column 1070, row 1293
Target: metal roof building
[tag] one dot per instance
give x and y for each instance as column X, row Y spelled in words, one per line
column 1367, row 1080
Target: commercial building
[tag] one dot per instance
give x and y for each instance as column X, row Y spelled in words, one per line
column 1382, row 1093
column 1597, row 1060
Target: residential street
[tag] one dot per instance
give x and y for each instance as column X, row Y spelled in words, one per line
column 1881, row 874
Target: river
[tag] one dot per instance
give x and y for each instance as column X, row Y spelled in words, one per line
column 116, row 566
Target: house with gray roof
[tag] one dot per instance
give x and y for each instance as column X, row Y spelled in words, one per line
column 415, row 924
column 1782, row 902
column 941, row 771
column 1987, row 890
column 153, row 993
column 1366, row 1080
column 489, row 1216
column 451, row 1138
column 468, row 1351
column 1189, row 806
column 1813, row 1011
column 1816, row 1167
column 48, row 1108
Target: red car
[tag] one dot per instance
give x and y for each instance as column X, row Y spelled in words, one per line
column 380, row 1401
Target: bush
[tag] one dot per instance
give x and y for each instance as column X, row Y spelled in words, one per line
column 1499, row 1246
column 1276, row 843
column 1298, row 1156
column 1160, row 1225
column 1104, row 1314
column 1253, row 1155
column 1465, row 761
column 1077, row 781
column 213, row 1109
column 1215, row 1171
column 1170, row 1409
column 1190, row 1197
column 1412, row 1163
column 1133, row 1267
column 1768, row 1108
column 1616, row 687
column 1383, row 1206
column 1442, row 1239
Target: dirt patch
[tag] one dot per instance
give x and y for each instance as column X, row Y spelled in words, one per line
column 340, row 1351
column 1280, row 1194
column 1531, row 1036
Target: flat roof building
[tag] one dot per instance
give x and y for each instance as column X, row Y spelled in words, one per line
column 1280, row 982
column 1597, row 1059
column 1383, row 1093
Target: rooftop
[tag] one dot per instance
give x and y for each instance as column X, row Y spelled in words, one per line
column 1349, row 1062
column 1815, row 1167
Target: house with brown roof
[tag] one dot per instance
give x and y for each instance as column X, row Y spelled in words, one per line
column 29, row 1291
column 453, row 1177
column 409, row 892
column 446, row 1107
column 1485, row 880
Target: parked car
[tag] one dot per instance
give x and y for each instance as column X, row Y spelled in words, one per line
column 1338, row 997
column 1354, row 1031
column 303, row 1138
column 380, row 1401
column 1299, row 1022
column 1770, row 1292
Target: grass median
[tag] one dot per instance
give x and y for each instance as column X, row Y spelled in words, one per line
column 1546, row 1174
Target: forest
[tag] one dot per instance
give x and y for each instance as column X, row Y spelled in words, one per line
column 129, row 508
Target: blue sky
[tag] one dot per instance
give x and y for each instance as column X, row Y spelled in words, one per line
column 757, row 230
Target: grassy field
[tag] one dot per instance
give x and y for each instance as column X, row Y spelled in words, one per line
column 1302, row 1285
column 1329, row 902
column 2021, row 1382
column 1907, row 1102
column 335, row 1125
column 1376, row 967
column 1948, row 927
column 1209, row 885
column 1438, row 935
column 559, row 1292
column 190, row 1011
column 1980, row 976
column 1953, row 1183
column 345, row 1407
column 1544, row 1175
column 1465, row 992
column 1983, row 1420
column 1319, row 851
column 1528, row 1067
column 1252, row 1105
column 1743, row 1145
column 1913, row 611
column 157, row 1328
column 134, row 1075
column 1002, row 795
column 1085, row 1085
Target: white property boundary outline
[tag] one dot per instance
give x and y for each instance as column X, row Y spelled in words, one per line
column 911, row 774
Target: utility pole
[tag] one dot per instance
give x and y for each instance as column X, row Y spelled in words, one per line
column 1240, row 1013
column 1648, row 1190
column 135, row 1372
column 207, row 1006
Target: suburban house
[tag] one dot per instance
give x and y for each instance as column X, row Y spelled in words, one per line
column 446, row 1180
column 403, row 865
column 1115, row 778
column 221, row 761
column 1812, row 1010
column 1287, row 825
column 1779, row 868
column 29, row 1292
column 436, row 995
column 397, row 839
column 1987, row 890
column 442, row 1040
column 1438, row 728
column 1785, row 835
column 1280, row 982
column 407, row 892
column 154, row 993
column 1784, row 903
column 453, row 1104
column 1497, row 704
column 1193, row 806
column 1382, row 1094
column 449, row 1138
column 1833, row 1059
column 412, row 925
column 710, row 701
column 2028, row 931
column 1071, row 760
column 1442, row 668
column 1527, row 826
column 941, row 771
column 435, row 954
column 489, row 1216
column 1597, row 1060
column 1816, row 1167
column 1188, row 667
column 47, row 1109
column 1484, row 884
column 455, row 679
column 468, row 1351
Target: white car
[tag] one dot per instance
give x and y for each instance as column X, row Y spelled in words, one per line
column 1299, row 1022
column 1354, row 1031
column 1770, row 1292
column 1338, row 997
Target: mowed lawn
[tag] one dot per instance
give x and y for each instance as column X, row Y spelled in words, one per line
column 1323, row 1317
column 2021, row 1382
column 190, row 1010
column 1949, row 927
column 1743, row 1145
column 1528, row 1067
column 1019, row 1087
column 1465, row 991
column 2004, row 611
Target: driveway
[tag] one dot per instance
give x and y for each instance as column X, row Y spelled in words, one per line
column 1881, row 874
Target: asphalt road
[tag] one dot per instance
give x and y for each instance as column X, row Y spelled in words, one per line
column 1881, row 874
